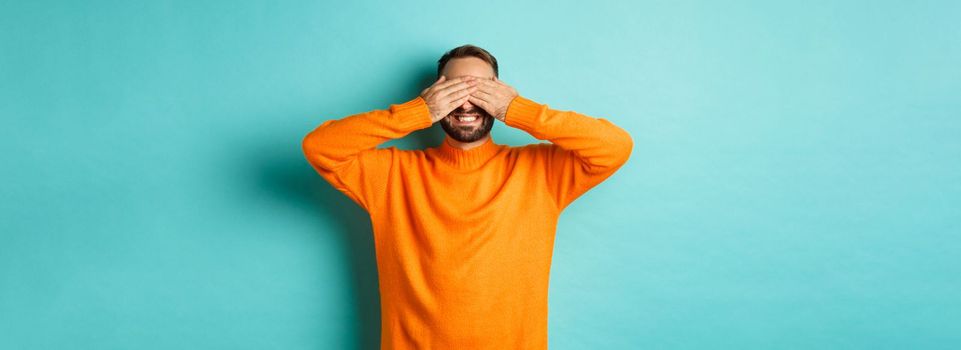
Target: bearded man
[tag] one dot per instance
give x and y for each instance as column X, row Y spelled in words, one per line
column 464, row 231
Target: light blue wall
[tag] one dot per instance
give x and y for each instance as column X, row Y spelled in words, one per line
column 795, row 182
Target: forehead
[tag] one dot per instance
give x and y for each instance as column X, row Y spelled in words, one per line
column 468, row 66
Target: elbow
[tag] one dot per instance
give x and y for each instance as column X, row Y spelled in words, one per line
column 309, row 146
column 313, row 141
column 310, row 151
column 315, row 151
column 624, row 145
column 616, row 151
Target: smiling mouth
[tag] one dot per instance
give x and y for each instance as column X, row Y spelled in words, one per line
column 466, row 119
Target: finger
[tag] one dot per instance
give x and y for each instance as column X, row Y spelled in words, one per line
column 490, row 89
column 483, row 95
column 481, row 103
column 449, row 107
column 448, row 82
column 459, row 94
column 459, row 101
column 448, row 93
column 490, row 84
column 454, row 88
column 433, row 90
column 463, row 92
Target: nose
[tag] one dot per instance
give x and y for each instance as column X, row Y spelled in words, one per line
column 466, row 106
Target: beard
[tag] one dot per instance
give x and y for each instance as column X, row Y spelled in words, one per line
column 467, row 133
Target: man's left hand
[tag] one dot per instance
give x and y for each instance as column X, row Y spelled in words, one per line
column 493, row 96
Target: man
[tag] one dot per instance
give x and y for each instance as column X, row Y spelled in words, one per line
column 464, row 232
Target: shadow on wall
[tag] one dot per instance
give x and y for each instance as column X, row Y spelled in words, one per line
column 297, row 182
column 283, row 172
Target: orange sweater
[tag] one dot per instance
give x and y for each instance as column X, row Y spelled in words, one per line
column 464, row 239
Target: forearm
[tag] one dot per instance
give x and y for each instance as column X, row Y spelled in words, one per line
column 335, row 143
column 596, row 143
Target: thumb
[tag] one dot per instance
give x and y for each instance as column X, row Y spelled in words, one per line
column 442, row 78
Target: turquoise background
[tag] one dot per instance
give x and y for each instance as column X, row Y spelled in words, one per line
column 795, row 182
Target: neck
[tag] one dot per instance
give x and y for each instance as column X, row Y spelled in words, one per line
column 467, row 145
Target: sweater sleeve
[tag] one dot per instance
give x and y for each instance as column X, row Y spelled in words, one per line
column 584, row 151
column 343, row 151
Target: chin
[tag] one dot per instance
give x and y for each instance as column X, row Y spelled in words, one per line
column 477, row 133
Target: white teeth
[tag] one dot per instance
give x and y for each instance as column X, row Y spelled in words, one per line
column 467, row 119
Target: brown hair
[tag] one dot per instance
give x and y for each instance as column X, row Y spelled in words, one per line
column 467, row 51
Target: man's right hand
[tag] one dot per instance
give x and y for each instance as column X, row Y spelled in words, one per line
column 445, row 95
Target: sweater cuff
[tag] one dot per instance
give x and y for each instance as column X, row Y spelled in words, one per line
column 522, row 113
column 411, row 115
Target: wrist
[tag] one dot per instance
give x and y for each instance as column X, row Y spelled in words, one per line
column 523, row 113
column 411, row 115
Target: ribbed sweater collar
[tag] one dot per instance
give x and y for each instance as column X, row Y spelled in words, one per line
column 467, row 159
